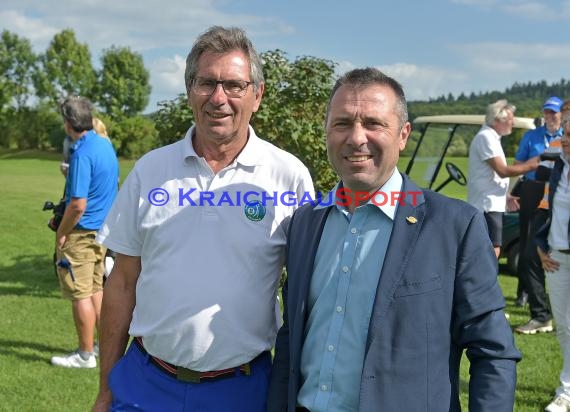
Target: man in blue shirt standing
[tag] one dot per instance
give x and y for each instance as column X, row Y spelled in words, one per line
column 91, row 187
column 533, row 212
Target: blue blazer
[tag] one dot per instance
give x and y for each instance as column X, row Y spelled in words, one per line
column 437, row 295
column 541, row 237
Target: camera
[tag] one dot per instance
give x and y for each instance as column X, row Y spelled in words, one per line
column 58, row 211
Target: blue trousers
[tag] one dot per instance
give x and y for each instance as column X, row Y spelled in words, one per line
column 138, row 385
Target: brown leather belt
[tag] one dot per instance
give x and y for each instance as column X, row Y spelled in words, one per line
column 189, row 375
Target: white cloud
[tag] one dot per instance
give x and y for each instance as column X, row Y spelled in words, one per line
column 167, row 77
column 421, row 83
column 551, row 10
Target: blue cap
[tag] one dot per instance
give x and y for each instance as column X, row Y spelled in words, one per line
column 553, row 103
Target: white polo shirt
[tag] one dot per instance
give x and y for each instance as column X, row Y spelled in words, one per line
column 486, row 190
column 211, row 261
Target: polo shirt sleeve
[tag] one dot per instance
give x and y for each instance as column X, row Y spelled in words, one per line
column 120, row 231
column 487, row 147
column 79, row 176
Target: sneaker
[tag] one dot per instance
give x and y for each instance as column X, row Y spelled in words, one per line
column 559, row 404
column 96, row 349
column 534, row 326
column 74, row 360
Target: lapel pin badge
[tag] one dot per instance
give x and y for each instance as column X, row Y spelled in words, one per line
column 412, row 220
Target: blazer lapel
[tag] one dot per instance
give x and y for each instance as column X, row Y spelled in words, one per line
column 407, row 225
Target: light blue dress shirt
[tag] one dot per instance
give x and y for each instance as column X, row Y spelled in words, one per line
column 343, row 286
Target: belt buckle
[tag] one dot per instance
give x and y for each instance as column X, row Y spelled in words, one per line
column 187, row 375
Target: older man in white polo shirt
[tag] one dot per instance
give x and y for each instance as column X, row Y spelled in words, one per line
column 200, row 230
column 488, row 179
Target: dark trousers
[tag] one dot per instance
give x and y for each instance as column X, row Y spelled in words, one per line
column 531, row 274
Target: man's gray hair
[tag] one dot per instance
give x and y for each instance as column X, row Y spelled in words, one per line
column 498, row 111
column 221, row 40
column 371, row 76
column 78, row 112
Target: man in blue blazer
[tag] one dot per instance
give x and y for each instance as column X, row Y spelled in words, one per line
column 387, row 283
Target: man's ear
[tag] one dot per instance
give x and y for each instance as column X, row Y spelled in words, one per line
column 258, row 93
column 404, row 134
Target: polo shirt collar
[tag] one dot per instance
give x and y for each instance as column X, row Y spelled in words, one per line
column 251, row 155
column 558, row 133
column 495, row 134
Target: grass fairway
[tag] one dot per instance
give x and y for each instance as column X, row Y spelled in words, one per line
column 35, row 323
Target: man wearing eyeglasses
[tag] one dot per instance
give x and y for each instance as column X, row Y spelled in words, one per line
column 200, row 234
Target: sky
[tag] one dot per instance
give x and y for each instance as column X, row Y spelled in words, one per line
column 432, row 47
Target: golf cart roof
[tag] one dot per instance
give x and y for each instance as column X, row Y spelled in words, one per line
column 475, row 119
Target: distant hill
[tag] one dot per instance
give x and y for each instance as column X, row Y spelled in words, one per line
column 527, row 97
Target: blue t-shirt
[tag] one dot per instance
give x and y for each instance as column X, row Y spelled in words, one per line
column 93, row 175
column 533, row 143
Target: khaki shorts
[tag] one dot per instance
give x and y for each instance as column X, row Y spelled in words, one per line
column 87, row 265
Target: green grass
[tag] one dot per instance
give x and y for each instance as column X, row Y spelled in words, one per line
column 35, row 323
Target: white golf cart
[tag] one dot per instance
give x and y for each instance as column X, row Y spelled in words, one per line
column 445, row 136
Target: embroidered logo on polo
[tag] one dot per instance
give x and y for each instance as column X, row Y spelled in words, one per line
column 254, row 210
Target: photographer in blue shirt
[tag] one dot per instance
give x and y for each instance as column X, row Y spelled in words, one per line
column 91, row 187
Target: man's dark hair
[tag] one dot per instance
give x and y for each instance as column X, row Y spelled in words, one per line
column 77, row 111
column 369, row 76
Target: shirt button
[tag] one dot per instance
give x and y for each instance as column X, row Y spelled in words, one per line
column 324, row 388
column 339, row 309
column 353, row 230
column 345, row 269
column 331, row 348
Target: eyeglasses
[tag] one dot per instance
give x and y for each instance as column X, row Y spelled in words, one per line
column 203, row 86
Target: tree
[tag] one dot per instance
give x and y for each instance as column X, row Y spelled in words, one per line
column 292, row 113
column 173, row 119
column 66, row 69
column 124, row 87
column 17, row 62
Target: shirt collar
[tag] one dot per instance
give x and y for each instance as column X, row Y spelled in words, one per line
column 392, row 185
column 495, row 134
column 77, row 144
column 558, row 133
column 251, row 155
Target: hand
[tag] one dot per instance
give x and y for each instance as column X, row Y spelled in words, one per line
column 63, row 167
column 533, row 163
column 60, row 240
column 513, row 204
column 548, row 264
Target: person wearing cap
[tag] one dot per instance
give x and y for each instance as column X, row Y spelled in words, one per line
column 533, row 211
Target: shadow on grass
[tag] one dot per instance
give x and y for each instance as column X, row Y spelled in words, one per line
column 22, row 350
column 29, row 154
column 29, row 275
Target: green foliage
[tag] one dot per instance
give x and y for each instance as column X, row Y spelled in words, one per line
column 17, row 63
column 133, row 136
column 31, row 128
column 65, row 69
column 293, row 109
column 173, row 119
column 124, row 87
